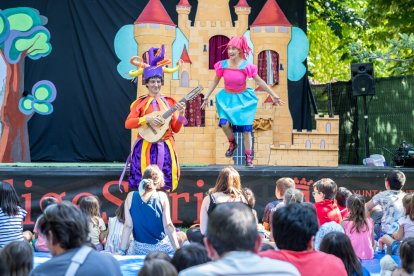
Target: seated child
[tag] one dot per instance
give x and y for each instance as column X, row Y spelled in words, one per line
column 90, row 206
column 115, row 227
column 405, row 227
column 341, row 198
column 40, row 242
column 282, row 184
column 324, row 192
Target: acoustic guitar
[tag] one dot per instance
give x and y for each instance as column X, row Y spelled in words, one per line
column 153, row 134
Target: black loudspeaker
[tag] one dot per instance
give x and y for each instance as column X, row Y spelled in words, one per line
column 362, row 79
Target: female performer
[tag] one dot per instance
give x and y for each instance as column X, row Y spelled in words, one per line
column 236, row 104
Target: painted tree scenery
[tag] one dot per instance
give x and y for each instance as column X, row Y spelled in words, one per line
column 22, row 34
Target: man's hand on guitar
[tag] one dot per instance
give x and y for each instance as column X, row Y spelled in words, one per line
column 181, row 108
column 155, row 121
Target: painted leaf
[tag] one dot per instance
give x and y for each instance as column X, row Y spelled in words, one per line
column 4, row 27
column 35, row 43
column 23, row 19
column 43, row 108
column 25, row 105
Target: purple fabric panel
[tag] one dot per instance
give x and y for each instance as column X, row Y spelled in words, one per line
column 135, row 168
column 161, row 152
column 166, row 161
column 154, row 105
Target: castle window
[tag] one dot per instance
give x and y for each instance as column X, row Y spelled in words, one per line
column 196, row 117
column 217, row 49
column 283, row 29
column 257, row 29
column 308, row 144
column 328, row 128
column 270, row 29
column 154, row 26
column 184, row 79
column 268, row 66
column 323, row 144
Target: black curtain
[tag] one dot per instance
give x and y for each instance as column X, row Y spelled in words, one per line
column 92, row 98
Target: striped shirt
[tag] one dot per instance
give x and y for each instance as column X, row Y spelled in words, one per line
column 11, row 227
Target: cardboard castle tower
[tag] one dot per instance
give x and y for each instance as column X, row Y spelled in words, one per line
column 275, row 144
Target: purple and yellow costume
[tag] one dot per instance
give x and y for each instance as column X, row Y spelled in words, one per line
column 161, row 153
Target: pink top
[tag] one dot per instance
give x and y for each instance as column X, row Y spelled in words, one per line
column 235, row 79
column 361, row 242
column 40, row 242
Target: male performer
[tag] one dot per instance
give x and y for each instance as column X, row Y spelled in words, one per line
column 161, row 153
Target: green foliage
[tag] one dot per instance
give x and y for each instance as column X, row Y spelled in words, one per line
column 347, row 31
column 397, row 59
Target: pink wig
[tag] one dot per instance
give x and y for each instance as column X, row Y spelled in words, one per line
column 240, row 42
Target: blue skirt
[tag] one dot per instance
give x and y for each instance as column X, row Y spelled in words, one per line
column 238, row 109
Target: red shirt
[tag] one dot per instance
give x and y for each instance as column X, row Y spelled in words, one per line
column 327, row 211
column 309, row 262
column 144, row 106
column 344, row 211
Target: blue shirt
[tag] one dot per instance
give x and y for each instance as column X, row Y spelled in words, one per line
column 147, row 219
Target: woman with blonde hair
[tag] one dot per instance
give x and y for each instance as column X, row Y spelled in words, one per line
column 147, row 217
column 228, row 188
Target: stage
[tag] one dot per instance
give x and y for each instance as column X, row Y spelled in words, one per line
column 70, row 181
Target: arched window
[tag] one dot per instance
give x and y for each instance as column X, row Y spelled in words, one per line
column 184, row 79
column 268, row 66
column 217, row 49
column 195, row 115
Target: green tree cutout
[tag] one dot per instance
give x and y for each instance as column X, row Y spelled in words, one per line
column 22, row 34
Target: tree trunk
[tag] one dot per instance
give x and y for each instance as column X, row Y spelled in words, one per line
column 14, row 141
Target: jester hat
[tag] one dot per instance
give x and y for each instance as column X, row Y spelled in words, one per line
column 156, row 66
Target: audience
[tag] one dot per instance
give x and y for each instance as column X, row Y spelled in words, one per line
column 115, row 227
column 11, row 215
column 228, row 240
column 40, row 242
column 359, row 228
column 405, row 227
column 232, row 242
column 325, row 229
column 147, row 216
column 390, row 201
column 65, row 228
column 155, row 267
column 324, row 192
column 342, row 196
column 339, row 244
column 89, row 205
column 18, row 257
column 406, row 257
column 282, row 184
column 294, row 228
column 157, row 255
column 189, row 255
column 228, row 188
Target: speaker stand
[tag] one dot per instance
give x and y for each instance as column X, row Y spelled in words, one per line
column 366, row 126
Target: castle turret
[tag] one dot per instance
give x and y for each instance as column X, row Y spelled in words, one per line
column 242, row 10
column 213, row 11
column 152, row 26
column 183, row 9
column 270, row 34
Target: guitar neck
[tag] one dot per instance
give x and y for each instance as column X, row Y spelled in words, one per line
column 170, row 111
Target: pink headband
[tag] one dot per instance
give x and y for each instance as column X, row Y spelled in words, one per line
column 240, row 42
